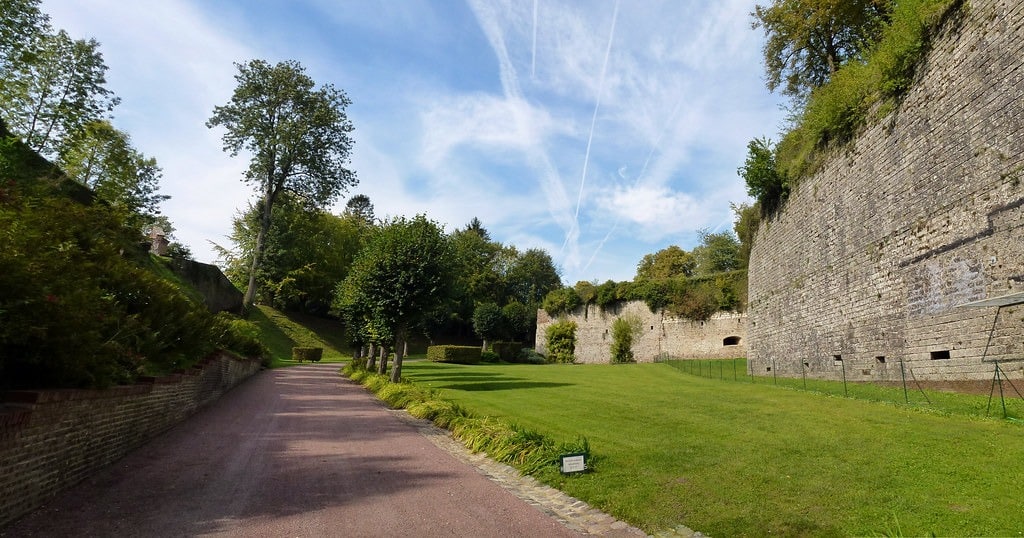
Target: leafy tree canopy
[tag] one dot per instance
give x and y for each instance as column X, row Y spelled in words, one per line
column 808, row 40
column 668, row 262
column 717, row 253
column 298, row 137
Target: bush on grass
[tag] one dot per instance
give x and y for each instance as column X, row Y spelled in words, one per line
column 561, row 341
column 454, row 354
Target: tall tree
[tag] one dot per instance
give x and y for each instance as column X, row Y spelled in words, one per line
column 103, row 159
column 361, row 207
column 748, row 220
column 22, row 28
column 298, row 137
column 808, row 40
column 399, row 278
column 531, row 276
column 53, row 89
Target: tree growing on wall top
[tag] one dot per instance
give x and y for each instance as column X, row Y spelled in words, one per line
column 809, row 40
column 298, row 137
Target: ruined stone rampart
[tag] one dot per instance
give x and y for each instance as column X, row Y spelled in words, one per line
column 869, row 265
column 721, row 337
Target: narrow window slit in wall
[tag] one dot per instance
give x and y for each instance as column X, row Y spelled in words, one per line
column 837, row 360
column 880, row 359
column 940, row 355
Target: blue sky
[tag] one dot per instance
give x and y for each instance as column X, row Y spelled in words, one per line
column 599, row 131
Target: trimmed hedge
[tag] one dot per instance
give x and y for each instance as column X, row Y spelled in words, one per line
column 311, row 354
column 454, row 354
column 507, row 351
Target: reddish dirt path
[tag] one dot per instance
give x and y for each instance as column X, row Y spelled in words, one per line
column 293, row 452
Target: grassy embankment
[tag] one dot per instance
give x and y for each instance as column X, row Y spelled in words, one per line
column 280, row 332
column 732, row 459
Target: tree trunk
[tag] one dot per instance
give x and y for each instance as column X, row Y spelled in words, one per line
column 261, row 239
column 396, row 371
column 382, row 367
column 371, row 358
column 484, row 346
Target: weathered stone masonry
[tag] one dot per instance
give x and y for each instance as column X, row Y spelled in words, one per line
column 871, row 259
column 52, row 439
column 721, row 337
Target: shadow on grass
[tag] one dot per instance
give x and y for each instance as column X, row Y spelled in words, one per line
column 504, row 385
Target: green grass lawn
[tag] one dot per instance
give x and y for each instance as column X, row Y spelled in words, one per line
column 741, row 459
column 281, row 332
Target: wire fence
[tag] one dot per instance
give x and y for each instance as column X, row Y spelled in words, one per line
column 1001, row 396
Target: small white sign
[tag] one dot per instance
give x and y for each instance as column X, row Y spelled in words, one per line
column 574, row 463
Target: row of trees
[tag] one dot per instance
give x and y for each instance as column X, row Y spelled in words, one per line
column 695, row 284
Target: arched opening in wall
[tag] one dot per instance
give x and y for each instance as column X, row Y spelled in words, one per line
column 731, row 341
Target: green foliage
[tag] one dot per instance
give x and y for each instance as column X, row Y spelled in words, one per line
column 748, row 220
column 520, row 321
column 401, row 277
column 586, row 291
column 606, row 294
column 669, row 262
column 298, row 136
column 765, row 183
column 312, row 354
column 809, row 40
column 625, row 329
column 489, row 356
column 561, row 301
column 717, row 253
column 507, row 351
column 80, row 305
column 835, row 111
column 454, row 354
column 530, row 356
column 52, row 86
column 561, row 341
column 280, row 332
column 306, row 253
column 238, row 335
column 488, row 321
column 103, row 159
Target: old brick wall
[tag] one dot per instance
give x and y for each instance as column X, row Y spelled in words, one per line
column 660, row 337
column 871, row 259
column 52, row 439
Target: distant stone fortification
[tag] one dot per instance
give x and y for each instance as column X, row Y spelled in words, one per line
column 721, row 337
column 873, row 262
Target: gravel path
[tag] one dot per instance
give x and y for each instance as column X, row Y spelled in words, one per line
column 303, row 452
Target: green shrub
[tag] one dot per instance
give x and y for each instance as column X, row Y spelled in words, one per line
column 311, row 354
column 529, row 356
column 489, row 356
column 237, row 335
column 454, row 354
column 624, row 330
column 561, row 301
column 561, row 341
column 507, row 351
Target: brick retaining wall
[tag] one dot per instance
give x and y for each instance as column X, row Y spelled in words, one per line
column 52, row 439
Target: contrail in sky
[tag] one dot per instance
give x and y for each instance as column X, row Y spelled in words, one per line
column 654, row 147
column 593, row 121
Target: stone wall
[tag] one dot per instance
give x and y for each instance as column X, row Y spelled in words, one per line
column 52, row 439
column 869, row 265
column 660, row 337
